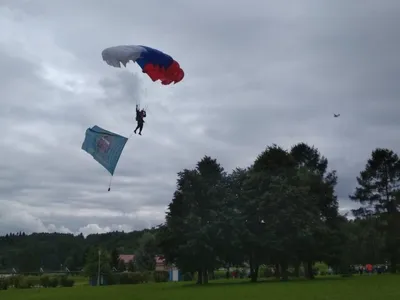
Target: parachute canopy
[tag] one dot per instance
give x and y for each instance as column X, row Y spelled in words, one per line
column 104, row 146
column 156, row 64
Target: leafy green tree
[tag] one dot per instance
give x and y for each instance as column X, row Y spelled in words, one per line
column 114, row 258
column 230, row 223
column 121, row 267
column 322, row 243
column 269, row 198
column 207, row 195
column 69, row 262
column 172, row 234
column 92, row 262
column 367, row 241
column 145, row 256
column 377, row 192
column 191, row 227
column 131, row 267
column 378, row 183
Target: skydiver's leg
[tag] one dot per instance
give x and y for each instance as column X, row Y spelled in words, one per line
column 137, row 127
column 141, row 128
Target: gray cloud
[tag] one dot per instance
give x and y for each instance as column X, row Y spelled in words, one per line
column 257, row 73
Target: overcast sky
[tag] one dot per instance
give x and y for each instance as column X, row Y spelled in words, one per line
column 256, row 73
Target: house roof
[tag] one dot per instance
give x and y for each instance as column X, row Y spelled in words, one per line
column 126, row 258
column 159, row 259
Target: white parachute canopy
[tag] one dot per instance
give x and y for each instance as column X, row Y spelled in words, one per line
column 114, row 56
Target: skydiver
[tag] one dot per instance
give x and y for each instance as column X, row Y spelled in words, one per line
column 336, row 115
column 140, row 114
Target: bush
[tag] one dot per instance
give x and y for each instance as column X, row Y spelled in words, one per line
column 18, row 281
column 66, row 282
column 268, row 273
column 161, row 276
column 242, row 273
column 132, row 278
column 4, row 283
column 112, row 279
column 45, row 281
column 14, row 280
column 33, row 281
column 127, row 278
column 219, row 274
column 23, row 282
column 321, row 267
column 53, row 282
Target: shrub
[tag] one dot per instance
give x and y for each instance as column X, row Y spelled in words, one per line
column 14, row 280
column 242, row 273
column 45, row 281
column 4, row 283
column 131, row 278
column 112, row 279
column 33, row 281
column 23, row 283
column 128, row 278
column 66, row 282
column 219, row 274
column 161, row 276
column 123, row 278
column 268, row 272
column 53, row 282
column 17, row 281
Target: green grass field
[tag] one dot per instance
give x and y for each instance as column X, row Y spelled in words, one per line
column 358, row 287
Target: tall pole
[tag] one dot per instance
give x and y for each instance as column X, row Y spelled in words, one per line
column 98, row 269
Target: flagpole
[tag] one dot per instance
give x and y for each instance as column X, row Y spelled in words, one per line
column 98, row 269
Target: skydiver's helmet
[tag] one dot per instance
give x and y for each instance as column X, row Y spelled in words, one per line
column 143, row 113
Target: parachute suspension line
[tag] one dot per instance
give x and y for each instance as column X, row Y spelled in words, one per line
column 145, row 95
column 131, row 135
column 112, row 176
column 110, row 183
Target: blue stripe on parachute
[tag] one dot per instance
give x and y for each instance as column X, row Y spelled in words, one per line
column 154, row 57
column 104, row 146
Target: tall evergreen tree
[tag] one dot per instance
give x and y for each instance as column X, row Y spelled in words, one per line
column 377, row 192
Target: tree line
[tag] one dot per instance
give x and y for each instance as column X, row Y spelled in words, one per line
column 282, row 211
column 58, row 251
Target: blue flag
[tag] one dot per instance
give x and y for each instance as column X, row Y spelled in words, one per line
column 104, row 146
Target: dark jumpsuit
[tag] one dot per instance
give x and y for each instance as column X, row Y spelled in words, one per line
column 140, row 121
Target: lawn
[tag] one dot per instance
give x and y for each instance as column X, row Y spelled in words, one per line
column 358, row 287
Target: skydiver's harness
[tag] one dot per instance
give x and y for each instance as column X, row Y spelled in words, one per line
column 140, row 112
column 143, row 116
